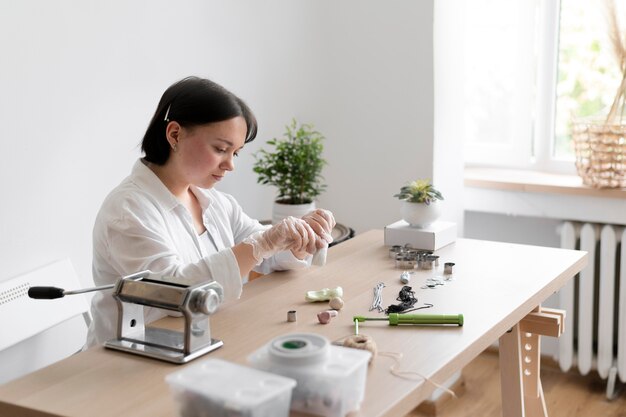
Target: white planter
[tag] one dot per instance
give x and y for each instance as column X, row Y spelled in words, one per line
column 420, row 214
column 280, row 211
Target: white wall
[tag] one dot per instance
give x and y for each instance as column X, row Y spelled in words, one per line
column 81, row 78
column 514, row 229
column 80, row 81
column 448, row 152
column 376, row 107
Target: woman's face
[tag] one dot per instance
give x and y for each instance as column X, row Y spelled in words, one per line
column 204, row 154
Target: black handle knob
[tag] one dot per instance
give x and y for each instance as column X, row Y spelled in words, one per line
column 45, row 293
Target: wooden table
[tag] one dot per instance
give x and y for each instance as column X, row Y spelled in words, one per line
column 495, row 285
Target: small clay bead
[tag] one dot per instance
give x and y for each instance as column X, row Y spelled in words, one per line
column 336, row 303
column 325, row 316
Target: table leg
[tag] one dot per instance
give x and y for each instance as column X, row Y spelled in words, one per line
column 534, row 403
column 511, row 374
column 520, row 360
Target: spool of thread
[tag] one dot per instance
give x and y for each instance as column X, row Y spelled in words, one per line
column 362, row 341
column 447, row 268
column 325, row 316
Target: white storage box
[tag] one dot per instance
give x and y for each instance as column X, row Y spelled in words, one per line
column 331, row 379
column 432, row 237
column 217, row 388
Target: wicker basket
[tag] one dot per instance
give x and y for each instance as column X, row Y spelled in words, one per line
column 600, row 153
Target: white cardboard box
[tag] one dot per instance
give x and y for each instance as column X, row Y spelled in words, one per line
column 432, row 237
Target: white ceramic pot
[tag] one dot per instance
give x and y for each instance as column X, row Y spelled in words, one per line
column 280, row 211
column 420, row 214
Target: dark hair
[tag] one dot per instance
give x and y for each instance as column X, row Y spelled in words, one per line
column 191, row 102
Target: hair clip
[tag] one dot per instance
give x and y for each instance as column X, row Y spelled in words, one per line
column 167, row 113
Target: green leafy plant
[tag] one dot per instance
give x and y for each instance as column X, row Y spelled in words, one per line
column 295, row 166
column 419, row 191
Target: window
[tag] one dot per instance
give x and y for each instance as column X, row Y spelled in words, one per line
column 588, row 71
column 531, row 67
column 500, row 75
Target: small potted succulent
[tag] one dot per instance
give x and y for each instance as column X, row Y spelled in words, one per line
column 294, row 167
column 420, row 203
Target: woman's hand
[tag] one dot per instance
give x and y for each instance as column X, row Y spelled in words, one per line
column 322, row 222
column 289, row 234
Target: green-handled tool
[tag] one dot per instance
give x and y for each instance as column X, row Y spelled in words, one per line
column 395, row 319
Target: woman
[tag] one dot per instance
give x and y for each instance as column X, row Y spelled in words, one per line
column 166, row 217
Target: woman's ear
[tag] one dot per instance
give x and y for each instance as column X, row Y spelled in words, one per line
column 172, row 132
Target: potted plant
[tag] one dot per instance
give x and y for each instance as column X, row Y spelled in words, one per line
column 294, row 167
column 420, row 203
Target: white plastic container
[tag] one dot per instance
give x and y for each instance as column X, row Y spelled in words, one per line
column 331, row 379
column 217, row 388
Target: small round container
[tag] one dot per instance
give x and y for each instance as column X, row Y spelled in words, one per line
column 299, row 349
column 427, row 263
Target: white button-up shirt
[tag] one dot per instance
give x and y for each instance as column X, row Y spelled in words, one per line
column 142, row 226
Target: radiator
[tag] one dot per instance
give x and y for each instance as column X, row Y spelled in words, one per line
column 595, row 337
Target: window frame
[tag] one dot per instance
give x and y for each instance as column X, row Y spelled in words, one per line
column 545, row 104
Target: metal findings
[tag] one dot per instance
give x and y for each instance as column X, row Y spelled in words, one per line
column 291, row 315
column 405, row 262
column 407, row 257
column 394, row 251
column 428, row 261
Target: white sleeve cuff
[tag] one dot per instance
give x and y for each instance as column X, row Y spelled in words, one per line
column 225, row 271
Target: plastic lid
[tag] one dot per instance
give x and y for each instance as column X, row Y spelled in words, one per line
column 299, row 349
column 236, row 385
